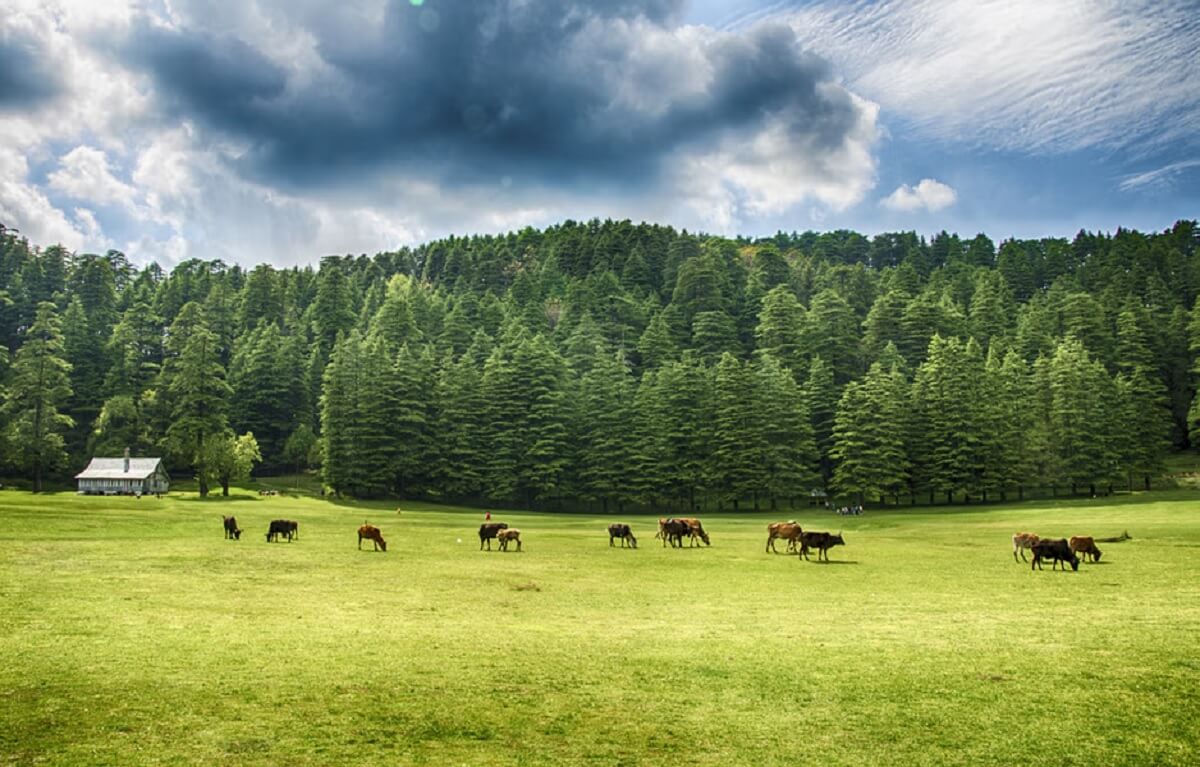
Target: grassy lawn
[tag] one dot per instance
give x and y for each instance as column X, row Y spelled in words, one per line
column 132, row 633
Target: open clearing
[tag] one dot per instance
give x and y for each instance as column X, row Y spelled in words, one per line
column 131, row 633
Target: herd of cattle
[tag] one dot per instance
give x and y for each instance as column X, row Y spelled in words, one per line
column 672, row 531
column 1057, row 550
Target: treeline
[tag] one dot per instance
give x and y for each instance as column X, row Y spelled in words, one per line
column 620, row 364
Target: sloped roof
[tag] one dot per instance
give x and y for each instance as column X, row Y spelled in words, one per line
column 114, row 468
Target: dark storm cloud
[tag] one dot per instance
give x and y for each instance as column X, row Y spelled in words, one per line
column 26, row 79
column 554, row 92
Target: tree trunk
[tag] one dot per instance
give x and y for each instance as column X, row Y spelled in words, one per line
column 1147, row 477
column 203, row 486
column 225, row 486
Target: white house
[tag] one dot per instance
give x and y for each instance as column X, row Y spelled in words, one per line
column 123, row 476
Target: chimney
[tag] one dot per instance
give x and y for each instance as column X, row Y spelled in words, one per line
column 126, row 460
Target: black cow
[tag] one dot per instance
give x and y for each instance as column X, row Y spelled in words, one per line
column 1058, row 550
column 488, row 531
column 283, row 527
column 623, row 532
column 231, row 528
column 822, row 542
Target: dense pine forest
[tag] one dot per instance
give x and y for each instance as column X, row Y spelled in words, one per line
column 616, row 365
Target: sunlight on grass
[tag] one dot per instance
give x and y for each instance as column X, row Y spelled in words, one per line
column 133, row 633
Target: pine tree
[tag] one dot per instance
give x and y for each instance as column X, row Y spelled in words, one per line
column 869, row 436
column 606, row 441
column 39, row 384
column 199, row 396
column 832, row 335
column 458, row 426
column 736, row 469
column 413, row 447
column 541, row 374
column 657, row 347
column 789, row 451
column 340, row 416
column 780, row 331
column 263, row 402
column 821, row 400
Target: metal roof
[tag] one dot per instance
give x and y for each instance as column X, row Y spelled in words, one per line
column 114, row 468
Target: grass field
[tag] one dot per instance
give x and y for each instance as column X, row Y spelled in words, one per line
column 132, row 633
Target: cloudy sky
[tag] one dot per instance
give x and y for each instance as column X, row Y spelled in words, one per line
column 283, row 130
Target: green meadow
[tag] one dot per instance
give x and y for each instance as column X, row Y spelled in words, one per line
column 132, row 633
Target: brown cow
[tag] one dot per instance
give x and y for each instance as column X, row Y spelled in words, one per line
column 508, row 535
column 695, row 530
column 672, row 531
column 789, row 531
column 231, row 528
column 372, row 534
column 622, row 531
column 822, row 542
column 1022, row 541
column 488, row 531
column 1085, row 545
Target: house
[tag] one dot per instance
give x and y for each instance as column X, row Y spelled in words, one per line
column 123, row 476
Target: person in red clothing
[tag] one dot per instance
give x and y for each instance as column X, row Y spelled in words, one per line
column 487, row 516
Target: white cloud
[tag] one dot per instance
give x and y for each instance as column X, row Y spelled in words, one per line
column 929, row 194
column 1158, row 176
column 1024, row 75
column 84, row 174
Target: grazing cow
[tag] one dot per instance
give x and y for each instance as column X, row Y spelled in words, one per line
column 623, row 532
column 373, row 535
column 507, row 535
column 488, row 531
column 1022, row 541
column 822, row 542
column 695, row 530
column 789, row 531
column 283, row 527
column 1085, row 545
column 231, row 528
column 1058, row 550
column 673, row 530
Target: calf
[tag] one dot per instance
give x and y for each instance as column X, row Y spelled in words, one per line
column 283, row 527
column 623, row 532
column 822, row 542
column 231, row 528
column 373, row 535
column 1085, row 545
column 488, row 531
column 507, row 535
column 789, row 531
column 1058, row 550
column 1022, row 541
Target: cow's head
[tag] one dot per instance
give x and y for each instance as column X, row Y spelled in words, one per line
column 836, row 540
column 1074, row 561
column 237, row 534
column 382, row 543
column 632, row 541
column 1096, row 554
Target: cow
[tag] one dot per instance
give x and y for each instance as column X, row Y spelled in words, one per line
column 822, row 542
column 231, row 528
column 622, row 531
column 672, row 531
column 284, row 527
column 1022, row 541
column 373, row 535
column 488, row 531
column 1085, row 545
column 789, row 531
column 695, row 530
column 1058, row 550
column 507, row 535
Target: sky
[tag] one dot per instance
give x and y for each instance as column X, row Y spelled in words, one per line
column 284, row 130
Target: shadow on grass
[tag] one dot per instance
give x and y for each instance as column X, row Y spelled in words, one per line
column 216, row 499
column 833, row 562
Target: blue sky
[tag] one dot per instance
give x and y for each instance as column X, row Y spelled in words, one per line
column 283, row 130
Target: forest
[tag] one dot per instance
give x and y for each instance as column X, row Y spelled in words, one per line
column 617, row 365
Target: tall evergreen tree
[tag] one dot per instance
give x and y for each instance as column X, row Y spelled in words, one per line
column 39, row 385
column 199, row 395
